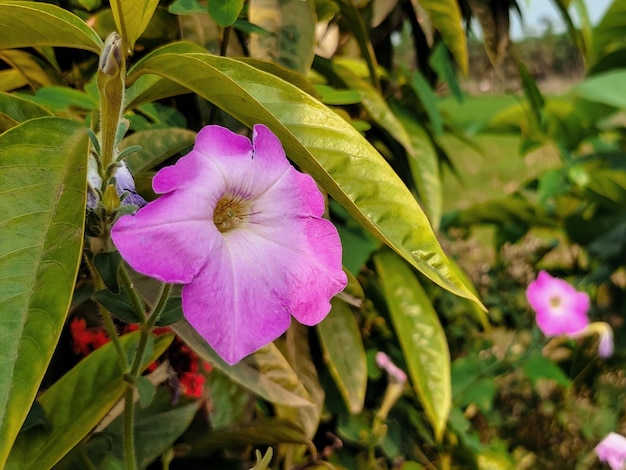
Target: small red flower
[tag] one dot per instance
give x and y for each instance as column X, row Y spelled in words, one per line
column 192, row 384
column 183, row 359
column 86, row 339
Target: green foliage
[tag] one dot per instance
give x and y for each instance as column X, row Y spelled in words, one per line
column 364, row 117
column 43, row 175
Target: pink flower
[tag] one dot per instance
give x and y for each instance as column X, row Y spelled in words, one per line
column 242, row 229
column 395, row 373
column 560, row 308
column 612, row 450
column 605, row 346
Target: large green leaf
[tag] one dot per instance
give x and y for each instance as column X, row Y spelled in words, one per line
column 421, row 337
column 35, row 70
column 292, row 27
column 30, row 24
column 344, row 354
column 372, row 100
column 275, row 386
column 132, row 18
column 321, row 142
column 43, row 166
column 77, row 403
column 14, row 110
column 424, row 165
column 446, row 18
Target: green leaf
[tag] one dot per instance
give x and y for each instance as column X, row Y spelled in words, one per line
column 539, row 367
column 353, row 21
column 41, row 24
column 610, row 33
column 440, row 61
column 275, row 387
column 344, row 354
column 132, row 18
column 146, row 390
column 14, row 110
column 36, row 417
column 172, row 312
column 186, row 7
column 225, row 12
column 607, row 88
column 12, row 79
column 446, row 18
column 261, row 431
column 35, row 70
column 532, row 93
column 429, row 101
column 424, row 165
column 157, row 145
column 292, row 27
column 157, row 426
column 43, row 166
column 60, row 98
column 108, row 265
column 76, row 403
column 494, row 22
column 421, row 337
column 297, row 350
column 320, row 142
column 372, row 100
column 119, row 304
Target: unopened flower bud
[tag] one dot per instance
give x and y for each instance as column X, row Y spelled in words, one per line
column 111, row 199
column 111, row 57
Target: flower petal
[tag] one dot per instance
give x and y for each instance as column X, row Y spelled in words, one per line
column 243, row 299
column 172, row 238
column 612, row 450
column 235, row 312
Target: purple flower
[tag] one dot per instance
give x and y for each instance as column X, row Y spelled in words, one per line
column 560, row 308
column 124, row 185
column 242, row 229
column 612, row 450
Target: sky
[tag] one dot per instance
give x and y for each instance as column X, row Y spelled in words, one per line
column 534, row 10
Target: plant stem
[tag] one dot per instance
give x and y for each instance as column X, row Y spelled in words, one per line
column 107, row 321
column 129, row 399
column 129, row 423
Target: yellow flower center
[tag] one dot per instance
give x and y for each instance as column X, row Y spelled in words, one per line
column 229, row 212
column 555, row 302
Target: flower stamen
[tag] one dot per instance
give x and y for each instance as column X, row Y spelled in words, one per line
column 229, row 212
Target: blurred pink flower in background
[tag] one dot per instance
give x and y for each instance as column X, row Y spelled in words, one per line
column 395, row 373
column 612, row 451
column 560, row 309
column 242, row 229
